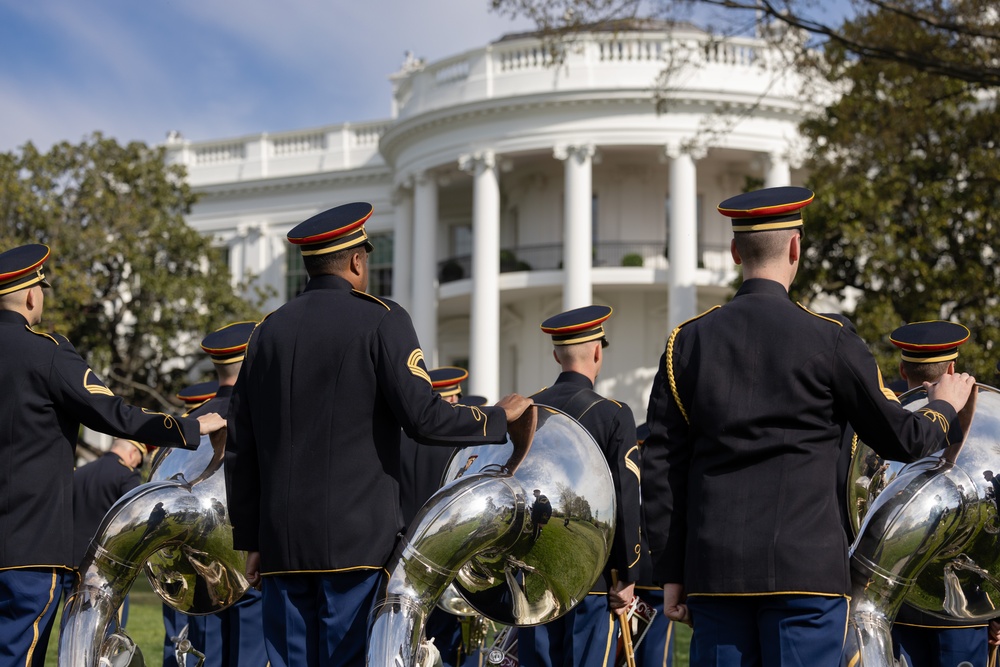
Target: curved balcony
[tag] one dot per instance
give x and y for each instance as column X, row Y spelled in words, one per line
column 549, row 257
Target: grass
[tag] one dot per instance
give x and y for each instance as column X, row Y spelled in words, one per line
column 145, row 626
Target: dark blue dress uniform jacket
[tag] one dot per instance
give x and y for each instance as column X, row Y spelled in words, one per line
column 746, row 416
column 49, row 392
column 613, row 427
column 96, row 487
column 314, row 423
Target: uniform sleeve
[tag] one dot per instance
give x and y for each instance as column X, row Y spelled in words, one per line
column 876, row 415
column 623, row 451
column 666, row 459
column 423, row 414
column 242, row 465
column 78, row 391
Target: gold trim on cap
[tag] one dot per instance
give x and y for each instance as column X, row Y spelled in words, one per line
column 931, row 360
column 575, row 341
column 350, row 243
column 768, row 226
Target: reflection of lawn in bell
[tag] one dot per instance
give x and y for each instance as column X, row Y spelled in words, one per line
column 561, row 549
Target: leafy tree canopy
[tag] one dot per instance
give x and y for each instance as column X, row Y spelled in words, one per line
column 134, row 287
column 907, row 213
column 966, row 33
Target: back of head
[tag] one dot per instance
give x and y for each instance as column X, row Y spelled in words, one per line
column 764, row 221
column 227, row 347
column 928, row 349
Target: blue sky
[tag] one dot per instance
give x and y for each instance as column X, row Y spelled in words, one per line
column 215, row 68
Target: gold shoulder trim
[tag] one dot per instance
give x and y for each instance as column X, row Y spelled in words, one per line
column 340, row 569
column 613, row 401
column 366, row 295
column 822, row 317
column 888, row 393
column 42, row 334
column 668, row 361
column 413, row 363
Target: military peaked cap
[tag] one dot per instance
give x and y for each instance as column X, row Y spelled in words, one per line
column 199, row 393
column 335, row 229
column 228, row 344
column 768, row 209
column 447, row 380
column 579, row 325
column 929, row 342
column 21, row 267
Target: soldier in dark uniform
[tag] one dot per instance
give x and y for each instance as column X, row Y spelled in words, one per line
column 313, row 445
column 586, row 635
column 96, row 487
column 233, row 637
column 657, row 647
column 746, row 418
column 928, row 351
column 421, row 470
column 51, row 391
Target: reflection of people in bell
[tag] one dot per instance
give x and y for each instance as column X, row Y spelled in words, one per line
column 995, row 483
column 541, row 512
column 156, row 517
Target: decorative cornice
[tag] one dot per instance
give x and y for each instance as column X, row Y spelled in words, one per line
column 295, row 182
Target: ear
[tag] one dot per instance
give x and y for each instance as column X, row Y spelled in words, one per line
column 598, row 352
column 356, row 264
column 736, row 253
column 795, row 249
column 951, row 368
column 902, row 373
column 556, row 356
column 31, row 301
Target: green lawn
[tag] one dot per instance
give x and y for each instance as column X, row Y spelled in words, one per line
column 145, row 626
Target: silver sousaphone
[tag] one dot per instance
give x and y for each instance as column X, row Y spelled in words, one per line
column 928, row 531
column 521, row 531
column 177, row 528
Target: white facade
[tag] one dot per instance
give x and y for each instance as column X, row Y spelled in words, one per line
column 512, row 189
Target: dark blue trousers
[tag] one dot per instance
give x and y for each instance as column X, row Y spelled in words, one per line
column 584, row 637
column 320, row 620
column 657, row 647
column 234, row 637
column 28, row 601
column 940, row 647
column 767, row 630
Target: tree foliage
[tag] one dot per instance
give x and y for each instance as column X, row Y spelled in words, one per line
column 134, row 287
column 966, row 32
column 907, row 214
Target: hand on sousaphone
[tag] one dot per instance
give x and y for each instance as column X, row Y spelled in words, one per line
column 521, row 422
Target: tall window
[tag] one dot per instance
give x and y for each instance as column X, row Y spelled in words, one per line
column 461, row 240
column 380, row 264
column 379, row 268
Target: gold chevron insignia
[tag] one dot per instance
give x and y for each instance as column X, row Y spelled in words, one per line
column 631, row 465
column 94, row 385
column 413, row 363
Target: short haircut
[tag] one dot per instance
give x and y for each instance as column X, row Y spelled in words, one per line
column 918, row 373
column 329, row 263
column 761, row 247
column 577, row 352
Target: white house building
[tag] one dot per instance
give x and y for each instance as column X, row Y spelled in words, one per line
column 508, row 187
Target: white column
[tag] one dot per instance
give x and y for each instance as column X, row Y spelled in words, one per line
column 578, row 239
column 402, row 245
column 424, row 265
column 682, row 292
column 779, row 171
column 484, row 329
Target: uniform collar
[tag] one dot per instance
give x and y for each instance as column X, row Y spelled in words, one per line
column 328, row 282
column 762, row 286
column 572, row 377
column 11, row 317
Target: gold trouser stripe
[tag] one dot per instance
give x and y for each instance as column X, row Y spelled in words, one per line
column 611, row 633
column 34, row 626
column 666, row 644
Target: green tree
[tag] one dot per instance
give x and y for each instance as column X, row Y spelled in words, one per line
column 967, row 32
column 134, row 287
column 907, row 214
